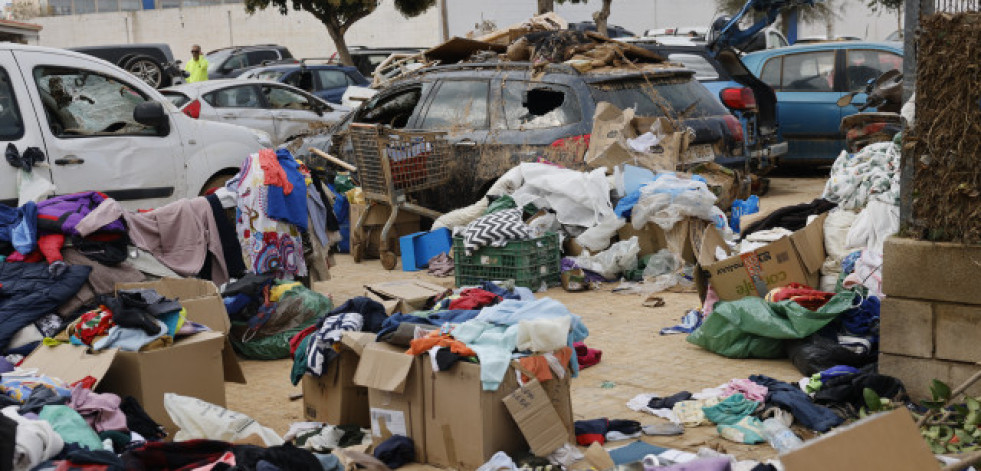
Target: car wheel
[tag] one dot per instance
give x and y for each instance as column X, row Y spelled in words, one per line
column 147, row 70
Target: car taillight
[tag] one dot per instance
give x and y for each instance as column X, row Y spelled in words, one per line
column 193, row 109
column 735, row 127
column 738, row 98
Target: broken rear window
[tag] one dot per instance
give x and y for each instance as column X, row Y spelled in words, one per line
column 459, row 105
column 659, row 97
column 534, row 106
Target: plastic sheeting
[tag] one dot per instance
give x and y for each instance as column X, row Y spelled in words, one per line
column 754, row 328
column 669, row 199
column 610, row 263
column 836, row 227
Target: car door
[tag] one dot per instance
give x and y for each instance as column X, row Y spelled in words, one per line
column 461, row 108
column 807, row 106
column 294, row 113
column 241, row 105
column 18, row 126
column 90, row 136
column 862, row 66
column 331, row 84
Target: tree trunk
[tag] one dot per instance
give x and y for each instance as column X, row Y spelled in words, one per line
column 785, row 21
column 546, row 6
column 337, row 34
column 601, row 16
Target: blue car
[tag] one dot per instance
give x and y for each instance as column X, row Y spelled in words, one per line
column 809, row 80
column 327, row 82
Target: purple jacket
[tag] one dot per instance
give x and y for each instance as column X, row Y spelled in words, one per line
column 62, row 213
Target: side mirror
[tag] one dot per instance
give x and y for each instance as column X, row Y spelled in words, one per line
column 846, row 100
column 151, row 113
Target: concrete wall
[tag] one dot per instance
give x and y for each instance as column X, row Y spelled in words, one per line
column 219, row 26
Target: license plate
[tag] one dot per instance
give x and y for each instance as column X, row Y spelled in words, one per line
column 698, row 153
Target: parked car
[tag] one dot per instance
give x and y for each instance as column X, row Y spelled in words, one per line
column 282, row 111
column 612, row 31
column 151, row 63
column 810, row 79
column 729, row 79
column 327, row 82
column 498, row 115
column 366, row 59
column 101, row 129
column 230, row 62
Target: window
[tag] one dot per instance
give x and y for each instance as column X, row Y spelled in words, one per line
column 865, row 65
column 235, row 62
column 459, row 104
column 11, row 123
column 302, row 79
column 84, row 6
column 271, row 75
column 176, row 98
column 809, row 72
column 331, row 78
column 234, row 97
column 531, row 106
column 671, row 97
column 393, row 109
column 771, row 72
column 280, row 98
column 82, row 103
column 702, row 67
column 258, row 57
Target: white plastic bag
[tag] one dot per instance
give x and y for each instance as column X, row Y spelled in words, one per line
column 33, row 186
column 873, row 225
column 669, row 199
column 836, row 228
column 610, row 263
column 661, row 263
column 199, row 419
column 543, row 224
column 598, row 237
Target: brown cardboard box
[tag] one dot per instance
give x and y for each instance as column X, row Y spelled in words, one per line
column 884, row 441
column 395, row 394
column 196, row 366
column 651, row 237
column 612, row 127
column 466, row 425
column 795, row 258
column 403, row 296
column 333, row 397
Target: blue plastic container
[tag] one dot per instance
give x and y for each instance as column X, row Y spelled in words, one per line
column 418, row 248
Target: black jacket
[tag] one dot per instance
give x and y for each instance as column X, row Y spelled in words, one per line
column 28, row 291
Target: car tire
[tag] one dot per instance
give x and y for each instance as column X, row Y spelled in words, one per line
column 146, row 69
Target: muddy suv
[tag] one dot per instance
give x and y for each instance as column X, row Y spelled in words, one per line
column 497, row 115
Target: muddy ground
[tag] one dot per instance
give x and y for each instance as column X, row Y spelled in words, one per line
column 635, row 358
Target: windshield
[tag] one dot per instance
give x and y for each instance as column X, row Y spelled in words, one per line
column 673, row 98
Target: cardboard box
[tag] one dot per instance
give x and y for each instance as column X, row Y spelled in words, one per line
column 651, row 237
column 404, row 296
column 196, row 366
column 395, row 394
column 795, row 258
column 884, row 441
column 612, row 127
column 333, row 397
column 466, row 425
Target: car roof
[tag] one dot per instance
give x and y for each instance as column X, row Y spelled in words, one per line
column 288, row 67
column 247, row 48
column 828, row 46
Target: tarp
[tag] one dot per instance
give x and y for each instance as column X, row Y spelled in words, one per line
column 754, row 328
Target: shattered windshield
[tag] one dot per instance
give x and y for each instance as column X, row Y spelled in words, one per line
column 673, row 98
column 79, row 102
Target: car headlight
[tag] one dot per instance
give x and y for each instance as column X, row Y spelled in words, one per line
column 263, row 137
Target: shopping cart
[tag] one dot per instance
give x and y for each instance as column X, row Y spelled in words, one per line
column 391, row 164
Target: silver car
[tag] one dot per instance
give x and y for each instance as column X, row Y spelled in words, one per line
column 282, row 111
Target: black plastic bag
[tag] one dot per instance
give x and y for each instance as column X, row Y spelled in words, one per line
column 817, row 353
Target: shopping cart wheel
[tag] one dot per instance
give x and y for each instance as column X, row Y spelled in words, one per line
column 389, row 260
column 357, row 251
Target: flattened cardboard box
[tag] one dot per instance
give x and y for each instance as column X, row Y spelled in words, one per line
column 333, row 397
column 196, row 366
column 466, row 425
column 795, row 258
column 889, row 440
column 403, row 296
column 395, row 394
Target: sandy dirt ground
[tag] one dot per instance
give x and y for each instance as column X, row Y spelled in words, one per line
column 636, row 359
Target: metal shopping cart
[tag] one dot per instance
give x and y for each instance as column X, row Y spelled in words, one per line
column 391, row 164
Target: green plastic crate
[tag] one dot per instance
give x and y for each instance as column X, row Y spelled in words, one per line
column 527, row 262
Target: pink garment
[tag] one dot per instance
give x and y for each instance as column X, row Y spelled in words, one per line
column 181, row 234
column 227, row 458
column 100, row 411
column 749, row 389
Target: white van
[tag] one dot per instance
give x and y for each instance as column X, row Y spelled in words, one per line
column 102, row 129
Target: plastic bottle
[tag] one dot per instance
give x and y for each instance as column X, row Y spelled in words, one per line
column 780, row 437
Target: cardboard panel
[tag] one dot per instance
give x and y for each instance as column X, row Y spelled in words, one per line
column 884, row 441
column 391, row 412
column 403, row 296
column 384, row 367
column 70, row 363
column 536, row 417
column 333, row 397
column 651, row 237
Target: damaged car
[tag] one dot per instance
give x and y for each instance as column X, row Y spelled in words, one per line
column 502, row 113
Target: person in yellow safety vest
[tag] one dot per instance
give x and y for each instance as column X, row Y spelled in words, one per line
column 197, row 67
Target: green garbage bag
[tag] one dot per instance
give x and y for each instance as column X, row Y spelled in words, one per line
column 273, row 347
column 506, row 202
column 343, row 183
column 754, row 328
